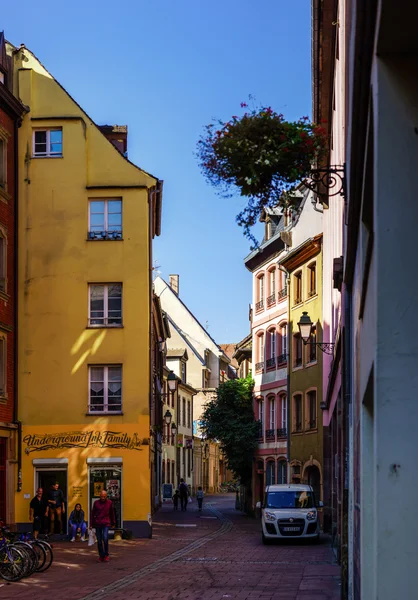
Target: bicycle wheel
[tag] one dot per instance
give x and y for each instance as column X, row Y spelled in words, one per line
column 41, row 555
column 31, row 556
column 12, row 563
column 49, row 556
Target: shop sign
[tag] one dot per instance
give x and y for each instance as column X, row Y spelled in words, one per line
column 83, row 439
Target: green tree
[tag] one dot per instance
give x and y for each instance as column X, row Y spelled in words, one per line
column 229, row 419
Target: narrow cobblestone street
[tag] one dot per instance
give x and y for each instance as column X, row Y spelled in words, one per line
column 213, row 555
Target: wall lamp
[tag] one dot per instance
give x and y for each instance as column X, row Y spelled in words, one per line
column 173, row 383
column 305, row 328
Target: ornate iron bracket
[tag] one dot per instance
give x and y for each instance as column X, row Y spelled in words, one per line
column 326, row 347
column 329, row 181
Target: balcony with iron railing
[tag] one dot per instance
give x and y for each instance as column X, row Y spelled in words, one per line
column 281, row 360
column 271, row 363
column 312, row 424
column 271, row 300
column 298, row 427
column 298, row 361
column 259, row 306
column 270, row 435
column 259, row 367
column 111, row 234
column 260, row 432
column 282, row 433
column 282, row 293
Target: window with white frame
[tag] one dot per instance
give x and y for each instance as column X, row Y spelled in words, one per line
column 272, row 275
column 272, row 412
column 272, row 336
column 105, row 307
column 47, row 143
column 261, row 413
column 105, row 219
column 261, row 348
column 284, row 412
column 3, row 365
column 105, row 388
column 283, row 336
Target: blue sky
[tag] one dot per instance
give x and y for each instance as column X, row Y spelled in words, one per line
column 166, row 69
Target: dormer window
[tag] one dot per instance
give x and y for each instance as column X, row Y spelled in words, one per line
column 268, row 230
column 183, row 371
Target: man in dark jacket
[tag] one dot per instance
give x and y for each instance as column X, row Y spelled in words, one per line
column 38, row 510
column 184, row 494
column 56, row 507
column 102, row 518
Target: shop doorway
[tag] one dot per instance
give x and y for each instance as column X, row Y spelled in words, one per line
column 108, row 478
column 48, row 476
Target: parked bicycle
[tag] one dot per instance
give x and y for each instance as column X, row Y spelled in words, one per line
column 21, row 555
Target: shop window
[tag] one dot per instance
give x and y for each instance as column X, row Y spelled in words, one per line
column 108, row 478
column 47, row 143
column 105, row 219
column 105, row 392
column 105, row 305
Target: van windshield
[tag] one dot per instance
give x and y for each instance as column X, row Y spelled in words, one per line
column 289, row 499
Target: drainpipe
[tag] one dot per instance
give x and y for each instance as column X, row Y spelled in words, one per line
column 286, row 272
column 15, row 316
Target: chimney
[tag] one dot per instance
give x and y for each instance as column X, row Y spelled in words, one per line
column 174, row 283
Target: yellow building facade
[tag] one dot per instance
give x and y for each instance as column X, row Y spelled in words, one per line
column 87, row 217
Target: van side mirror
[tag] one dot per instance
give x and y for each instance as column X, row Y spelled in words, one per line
column 320, row 504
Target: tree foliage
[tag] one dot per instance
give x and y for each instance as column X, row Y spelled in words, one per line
column 260, row 155
column 229, row 419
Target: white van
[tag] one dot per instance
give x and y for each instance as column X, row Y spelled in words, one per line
column 289, row 511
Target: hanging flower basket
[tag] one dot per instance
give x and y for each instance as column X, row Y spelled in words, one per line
column 261, row 155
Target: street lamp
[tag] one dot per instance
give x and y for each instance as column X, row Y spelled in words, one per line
column 172, row 381
column 173, row 428
column 305, row 329
column 167, row 417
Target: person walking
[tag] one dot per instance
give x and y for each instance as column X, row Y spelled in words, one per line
column 184, row 494
column 77, row 523
column 56, row 507
column 200, row 495
column 176, row 499
column 38, row 511
column 102, row 518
